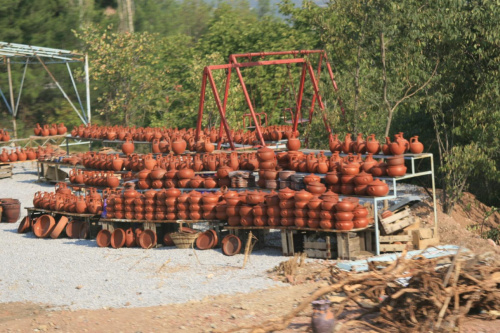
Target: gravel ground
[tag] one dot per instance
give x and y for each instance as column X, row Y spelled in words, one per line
column 77, row 274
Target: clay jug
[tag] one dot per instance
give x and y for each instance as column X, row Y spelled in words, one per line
column 61, row 129
column 416, row 147
column 4, row 157
column 386, row 148
column 293, row 143
column 179, row 146
column 129, row 238
column 208, row 146
column 128, row 147
column 312, row 163
column 398, row 147
column 81, row 205
column 45, row 130
column 369, row 163
column 53, row 129
column 117, row 163
column 13, row 156
column 6, row 136
column 37, row 130
column 322, row 318
column 360, row 144
column 155, row 146
column 334, row 143
column 233, row 161
column 372, row 145
column 348, row 144
column 322, row 163
column 21, row 155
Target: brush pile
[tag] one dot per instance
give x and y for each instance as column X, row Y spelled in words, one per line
column 413, row 294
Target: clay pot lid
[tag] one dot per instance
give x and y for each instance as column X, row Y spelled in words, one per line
column 73, row 229
column 264, row 150
column 150, row 194
column 118, row 238
column 316, row 184
column 103, row 238
column 147, row 239
column 231, row 245
column 205, row 240
column 215, row 240
column 24, row 225
column 63, row 221
column 187, row 230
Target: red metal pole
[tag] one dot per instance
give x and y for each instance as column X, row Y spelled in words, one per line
column 314, row 97
column 258, row 63
column 201, row 105
column 249, row 102
column 299, row 97
column 226, row 94
column 265, row 54
column 335, row 87
column 219, row 106
column 316, row 91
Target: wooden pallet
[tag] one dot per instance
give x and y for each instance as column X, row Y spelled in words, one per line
column 425, row 237
column 316, row 249
column 348, row 244
column 397, row 221
column 5, row 170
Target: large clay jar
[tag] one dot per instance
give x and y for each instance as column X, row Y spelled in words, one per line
column 416, row 147
column 363, row 178
column 179, row 146
column 377, row 188
column 128, row 147
column 311, row 178
column 344, row 225
column 348, row 145
column 265, row 154
column 360, row 223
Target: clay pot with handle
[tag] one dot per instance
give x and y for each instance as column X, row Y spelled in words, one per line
column 372, row 145
column 334, row 143
column 416, row 147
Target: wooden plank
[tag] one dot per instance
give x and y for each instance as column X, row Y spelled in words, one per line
column 389, row 229
column 426, row 233
column 284, row 243
column 316, row 245
column 395, row 217
column 392, row 247
column 291, row 246
column 398, row 238
column 318, row 254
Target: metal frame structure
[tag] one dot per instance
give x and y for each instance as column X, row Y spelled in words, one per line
column 12, row 53
column 233, row 63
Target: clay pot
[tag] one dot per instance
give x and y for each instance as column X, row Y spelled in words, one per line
column 287, row 204
column 286, row 193
column 316, row 188
column 273, row 211
column 344, row 225
column 265, row 154
column 313, row 223
column 332, row 178
column 302, row 212
column 287, row 213
column 234, row 221
column 118, row 238
column 345, row 206
column 196, row 182
column 416, row 147
column 273, row 221
column 293, row 144
column 128, row 147
column 372, row 145
column 246, row 210
column 255, row 197
column 194, row 215
column 209, row 182
column 311, row 178
column 397, row 147
column 185, row 174
column 347, row 179
column 363, row 178
column 44, row 226
column 286, row 221
column 11, row 210
column 314, row 214
column 303, row 196
column 334, row 143
column 326, row 224
column 285, row 174
column 59, row 227
column 314, row 203
column 360, row 189
column 328, row 205
column 259, row 209
column 147, row 239
column 103, row 238
column 247, row 221
column 300, row 222
column 377, row 188
column 129, row 238
column 233, row 210
column 360, row 223
column 344, row 216
column 396, row 170
column 179, row 146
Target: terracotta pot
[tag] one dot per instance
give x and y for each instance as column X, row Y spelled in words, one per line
column 345, row 206
column 273, row 221
column 347, row 189
column 247, row 221
column 301, row 204
column 129, row 238
column 396, row 170
column 183, row 215
column 118, row 238
column 210, row 182
column 372, row 145
column 316, row 188
column 332, row 178
column 234, row 221
column 395, row 160
column 128, row 147
column 360, row 223
column 300, row 222
column 147, row 239
column 303, row 196
column 59, row 227
column 344, row 225
column 194, row 215
column 179, row 146
column 314, row 203
column 416, row 147
column 344, row 216
column 347, row 179
column 265, row 154
column 326, row 215
column 363, row 178
column 103, row 238
column 314, row 214
column 293, row 144
column 259, row 209
column 286, row 193
column 287, row 221
column 185, row 174
column 273, row 211
column 360, row 190
column 313, row 223
column 311, row 178
column 231, row 245
column 287, row 204
column 44, row 226
column 300, row 213
column 326, row 224
column 255, row 197
column 377, row 188
column 260, row 221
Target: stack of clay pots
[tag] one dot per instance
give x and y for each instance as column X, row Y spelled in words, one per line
column 360, row 217
column 396, row 166
column 182, row 205
column 287, row 206
column 209, row 203
column 195, row 203
column 344, row 213
column 285, row 178
column 267, row 168
column 327, row 217
column 94, row 178
column 233, row 204
column 273, row 209
column 301, row 210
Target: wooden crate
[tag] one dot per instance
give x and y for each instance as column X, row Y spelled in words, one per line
column 424, row 237
column 397, row 221
column 349, row 243
column 317, row 249
column 387, row 243
column 5, row 170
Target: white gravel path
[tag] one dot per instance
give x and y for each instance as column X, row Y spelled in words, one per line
column 77, row 274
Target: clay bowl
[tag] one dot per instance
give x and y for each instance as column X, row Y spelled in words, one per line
column 118, row 238
column 59, row 227
column 395, row 160
column 167, row 240
column 205, row 240
column 287, row 204
column 147, row 239
column 45, row 225
column 24, row 225
column 103, row 238
column 231, row 245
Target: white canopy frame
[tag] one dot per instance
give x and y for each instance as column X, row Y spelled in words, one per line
column 12, row 53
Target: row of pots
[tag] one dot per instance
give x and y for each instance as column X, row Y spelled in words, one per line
column 63, row 200
column 52, row 129
column 18, row 155
column 399, row 146
column 4, row 135
column 129, row 238
column 46, row 226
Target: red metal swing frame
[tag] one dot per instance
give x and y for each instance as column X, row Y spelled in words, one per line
column 233, row 63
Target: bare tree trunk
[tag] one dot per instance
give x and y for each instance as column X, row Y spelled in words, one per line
column 390, row 109
column 130, row 14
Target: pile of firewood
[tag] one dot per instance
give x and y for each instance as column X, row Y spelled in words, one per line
column 412, row 294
